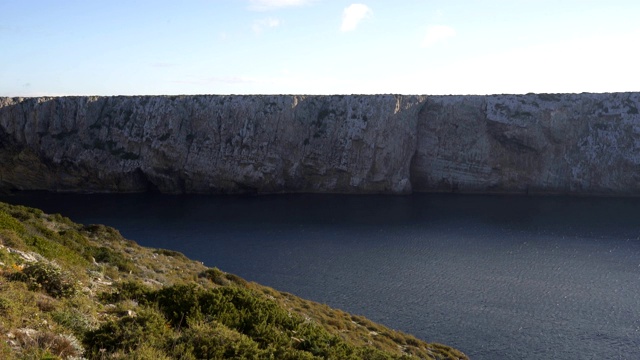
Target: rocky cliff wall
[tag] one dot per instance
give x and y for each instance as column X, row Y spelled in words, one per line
column 209, row 144
column 545, row 143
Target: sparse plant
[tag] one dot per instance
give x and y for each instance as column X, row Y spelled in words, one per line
column 105, row 255
column 45, row 303
column 5, row 305
column 47, row 345
column 128, row 290
column 73, row 319
column 216, row 276
column 48, row 277
column 129, row 332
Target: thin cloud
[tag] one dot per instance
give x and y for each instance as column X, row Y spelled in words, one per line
column 260, row 26
column 437, row 34
column 353, row 15
column 265, row 5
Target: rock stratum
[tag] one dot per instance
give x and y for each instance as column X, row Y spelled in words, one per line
column 586, row 144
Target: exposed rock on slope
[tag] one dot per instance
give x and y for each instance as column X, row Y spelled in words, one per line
column 545, row 143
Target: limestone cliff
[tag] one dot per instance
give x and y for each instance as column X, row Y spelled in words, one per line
column 537, row 143
column 209, row 144
column 545, row 143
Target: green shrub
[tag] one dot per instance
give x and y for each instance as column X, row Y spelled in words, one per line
column 171, row 253
column 214, row 341
column 146, row 352
column 10, row 238
column 62, row 220
column 48, row 277
column 222, row 278
column 55, row 251
column 5, row 305
column 102, row 231
column 128, row 290
column 215, row 275
column 46, row 303
column 73, row 320
column 105, row 255
column 47, row 345
column 148, row 327
column 179, row 303
column 8, row 222
column 73, row 240
column 24, row 213
column 236, row 279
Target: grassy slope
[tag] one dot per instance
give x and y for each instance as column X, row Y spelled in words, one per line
column 69, row 291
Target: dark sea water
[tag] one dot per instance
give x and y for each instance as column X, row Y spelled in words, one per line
column 497, row 277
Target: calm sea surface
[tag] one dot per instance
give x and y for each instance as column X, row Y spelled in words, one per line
column 494, row 276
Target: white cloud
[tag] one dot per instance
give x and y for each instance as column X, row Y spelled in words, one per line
column 353, row 15
column 436, row 34
column 264, row 5
column 261, row 25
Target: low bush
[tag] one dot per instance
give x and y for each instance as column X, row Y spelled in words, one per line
column 5, row 306
column 102, row 231
column 73, row 320
column 8, row 222
column 53, row 250
column 148, row 326
column 128, row 290
column 105, row 255
column 47, row 345
column 171, row 253
column 45, row 303
column 215, row 275
column 10, row 238
column 215, row 341
column 221, row 278
column 179, row 303
column 48, row 277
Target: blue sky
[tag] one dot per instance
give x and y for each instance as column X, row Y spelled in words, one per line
column 136, row 47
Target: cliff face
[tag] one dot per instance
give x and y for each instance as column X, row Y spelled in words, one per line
column 209, row 144
column 546, row 143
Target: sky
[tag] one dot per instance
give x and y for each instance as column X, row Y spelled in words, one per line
column 432, row 47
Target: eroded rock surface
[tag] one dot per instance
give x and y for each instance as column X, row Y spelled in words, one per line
column 209, row 144
column 544, row 143
column 537, row 143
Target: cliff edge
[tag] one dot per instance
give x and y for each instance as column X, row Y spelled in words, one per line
column 537, row 143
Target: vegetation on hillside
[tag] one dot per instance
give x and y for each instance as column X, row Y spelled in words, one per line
column 69, row 291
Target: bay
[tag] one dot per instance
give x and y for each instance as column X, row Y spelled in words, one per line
column 498, row 277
